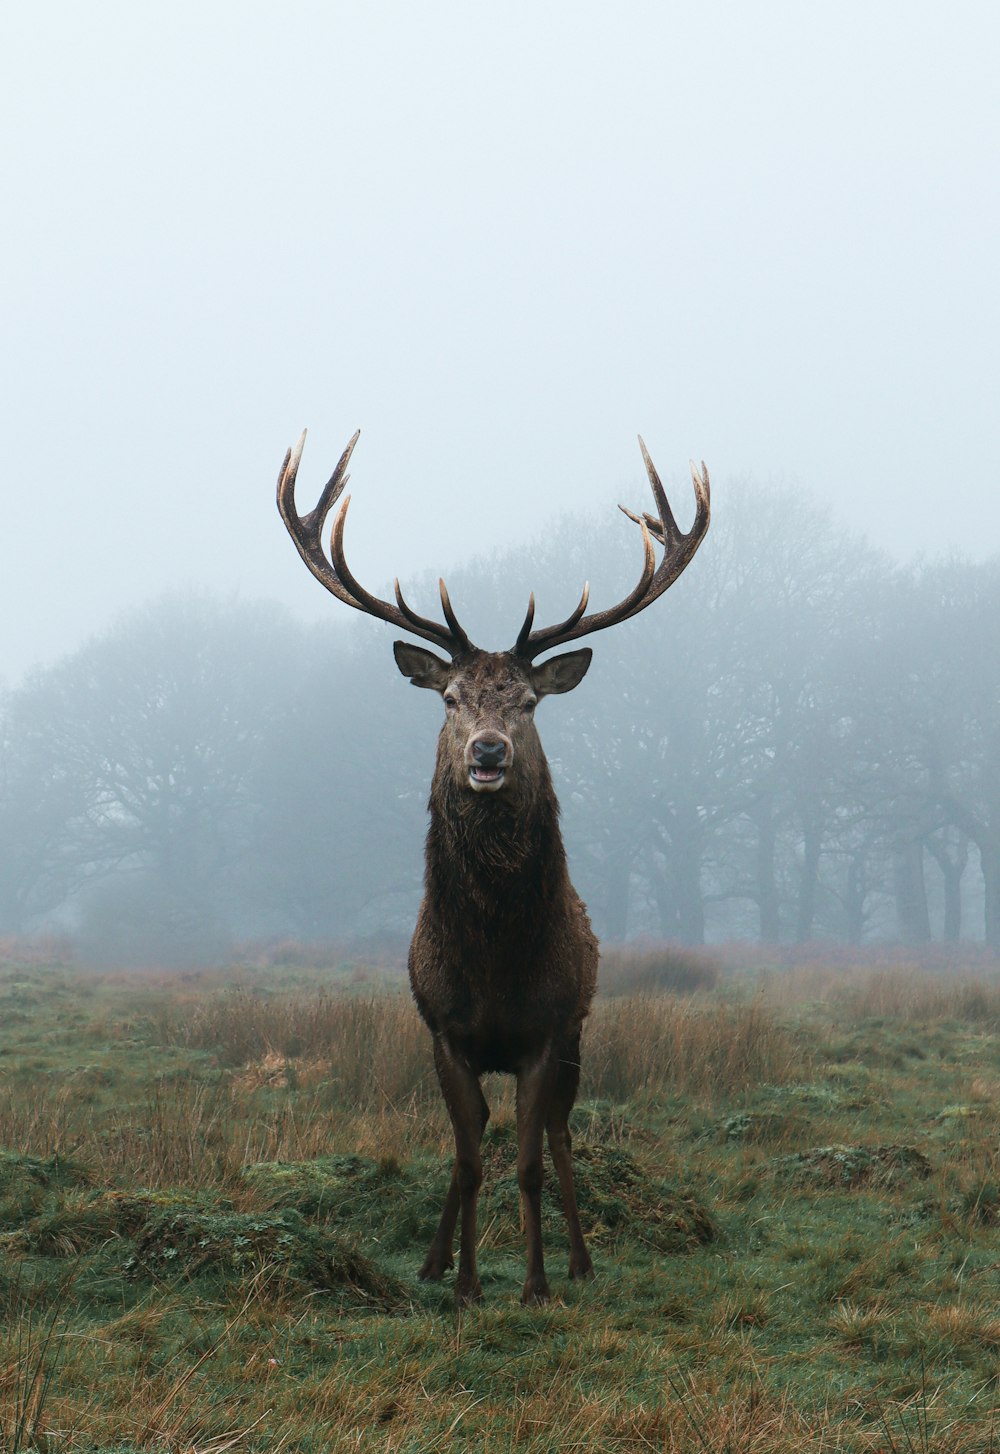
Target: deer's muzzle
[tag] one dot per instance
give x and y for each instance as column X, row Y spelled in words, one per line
column 488, row 755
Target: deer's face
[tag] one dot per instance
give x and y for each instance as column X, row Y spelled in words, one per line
column 489, row 698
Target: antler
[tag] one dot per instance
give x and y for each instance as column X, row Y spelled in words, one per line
column 336, row 575
column 678, row 550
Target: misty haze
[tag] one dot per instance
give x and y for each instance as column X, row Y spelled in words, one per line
column 800, row 743
column 785, row 267
column 255, row 1195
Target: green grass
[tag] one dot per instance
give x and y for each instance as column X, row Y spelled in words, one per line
column 213, row 1201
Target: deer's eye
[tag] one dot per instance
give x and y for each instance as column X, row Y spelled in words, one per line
column 528, row 708
column 450, row 702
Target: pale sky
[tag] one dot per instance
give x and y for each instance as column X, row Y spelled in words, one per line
column 501, row 239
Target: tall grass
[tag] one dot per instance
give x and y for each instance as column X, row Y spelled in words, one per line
column 379, row 1053
column 374, row 1047
column 300, row 1076
column 916, row 996
column 648, row 1044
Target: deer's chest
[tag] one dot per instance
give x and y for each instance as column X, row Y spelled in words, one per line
column 499, row 999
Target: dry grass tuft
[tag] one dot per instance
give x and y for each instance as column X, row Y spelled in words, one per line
column 648, row 1043
column 963, row 993
column 376, row 1050
column 921, row 998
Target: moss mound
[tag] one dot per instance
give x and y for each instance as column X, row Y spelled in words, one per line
column 29, row 1185
column 398, row 1205
column 19, row 1173
column 617, row 1198
column 167, row 1235
column 608, row 1123
column 192, row 1243
column 854, row 1167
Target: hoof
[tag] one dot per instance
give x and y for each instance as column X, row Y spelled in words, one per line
column 468, row 1296
column 434, row 1269
column 582, row 1271
column 535, row 1292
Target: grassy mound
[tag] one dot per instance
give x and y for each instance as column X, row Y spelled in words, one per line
column 192, row 1243
column 399, row 1206
column 618, row 1200
column 855, row 1167
column 157, row 1235
column 381, row 1199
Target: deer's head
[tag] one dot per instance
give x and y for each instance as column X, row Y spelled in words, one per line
column 489, row 697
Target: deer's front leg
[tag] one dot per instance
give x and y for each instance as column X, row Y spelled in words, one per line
column 561, row 1146
column 535, row 1087
column 469, row 1113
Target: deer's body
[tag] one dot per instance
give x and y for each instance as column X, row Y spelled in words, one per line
column 503, row 962
column 503, row 954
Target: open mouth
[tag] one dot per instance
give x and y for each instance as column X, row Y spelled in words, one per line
column 486, row 779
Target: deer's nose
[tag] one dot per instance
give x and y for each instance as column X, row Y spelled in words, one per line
column 489, row 752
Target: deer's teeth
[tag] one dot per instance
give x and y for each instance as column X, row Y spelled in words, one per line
column 486, row 777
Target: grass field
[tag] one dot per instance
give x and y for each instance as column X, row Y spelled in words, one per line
column 215, row 1191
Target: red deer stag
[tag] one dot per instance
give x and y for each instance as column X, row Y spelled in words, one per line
column 503, row 961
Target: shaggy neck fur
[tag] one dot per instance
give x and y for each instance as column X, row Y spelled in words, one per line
column 499, row 853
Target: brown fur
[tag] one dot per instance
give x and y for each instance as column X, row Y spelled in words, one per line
column 503, row 962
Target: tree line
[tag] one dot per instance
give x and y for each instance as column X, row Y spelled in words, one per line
column 800, row 741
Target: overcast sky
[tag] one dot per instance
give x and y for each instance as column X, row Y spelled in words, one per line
column 502, row 239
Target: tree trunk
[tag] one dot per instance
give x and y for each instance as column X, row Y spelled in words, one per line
column 855, row 895
column 767, row 887
column 952, row 869
column 684, row 867
column 661, row 886
column 989, row 858
column 690, row 903
column 911, row 891
column 808, row 882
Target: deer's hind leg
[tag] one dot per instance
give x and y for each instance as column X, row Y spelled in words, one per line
column 561, row 1147
column 469, row 1113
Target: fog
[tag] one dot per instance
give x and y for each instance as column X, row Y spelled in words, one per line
column 502, row 241
column 799, row 742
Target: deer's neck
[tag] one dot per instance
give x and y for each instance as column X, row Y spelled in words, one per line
column 499, row 850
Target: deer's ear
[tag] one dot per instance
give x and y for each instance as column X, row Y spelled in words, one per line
column 422, row 667
column 561, row 673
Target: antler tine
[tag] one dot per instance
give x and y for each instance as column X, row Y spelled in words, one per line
column 653, row 525
column 306, row 530
column 678, row 549
column 550, row 635
column 666, row 515
column 703, row 494
column 416, row 621
column 422, row 624
column 374, row 606
column 525, row 630
column 464, row 643
column 334, row 573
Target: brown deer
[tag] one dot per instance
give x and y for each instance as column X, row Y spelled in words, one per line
column 503, row 961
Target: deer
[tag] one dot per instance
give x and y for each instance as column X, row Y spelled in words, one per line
column 503, row 960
